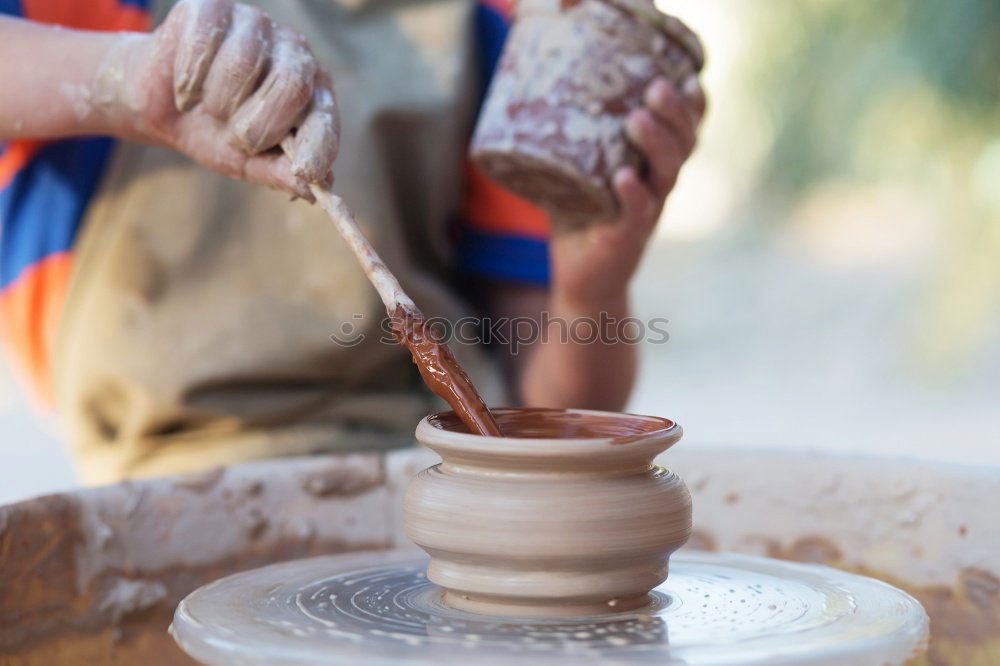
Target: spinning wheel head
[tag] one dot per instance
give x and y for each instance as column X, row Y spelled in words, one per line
column 380, row 608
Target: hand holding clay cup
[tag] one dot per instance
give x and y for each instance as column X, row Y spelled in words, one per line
column 224, row 84
column 563, row 516
column 553, row 127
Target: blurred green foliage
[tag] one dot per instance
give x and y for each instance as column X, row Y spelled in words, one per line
column 850, row 85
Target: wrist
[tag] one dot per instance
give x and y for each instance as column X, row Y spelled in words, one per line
column 117, row 89
column 612, row 299
column 58, row 95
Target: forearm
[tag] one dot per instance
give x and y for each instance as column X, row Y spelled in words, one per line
column 572, row 368
column 592, row 265
column 49, row 77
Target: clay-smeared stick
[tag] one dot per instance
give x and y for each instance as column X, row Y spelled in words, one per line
column 438, row 366
column 385, row 283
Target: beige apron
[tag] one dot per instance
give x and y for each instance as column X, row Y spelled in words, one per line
column 197, row 329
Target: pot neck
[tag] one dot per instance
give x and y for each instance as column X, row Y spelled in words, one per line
column 535, row 467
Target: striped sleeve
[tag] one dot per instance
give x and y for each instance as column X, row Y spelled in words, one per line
column 45, row 187
column 503, row 236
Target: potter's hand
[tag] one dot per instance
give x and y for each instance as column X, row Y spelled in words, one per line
column 591, row 269
column 594, row 265
column 222, row 83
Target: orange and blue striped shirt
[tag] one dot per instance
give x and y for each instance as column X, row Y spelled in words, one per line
column 503, row 237
column 46, row 186
column 44, row 190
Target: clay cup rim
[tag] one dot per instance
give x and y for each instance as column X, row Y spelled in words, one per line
column 638, row 440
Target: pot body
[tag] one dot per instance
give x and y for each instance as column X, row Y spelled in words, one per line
column 544, row 536
column 552, row 125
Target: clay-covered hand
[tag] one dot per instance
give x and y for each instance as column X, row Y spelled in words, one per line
column 594, row 265
column 224, row 84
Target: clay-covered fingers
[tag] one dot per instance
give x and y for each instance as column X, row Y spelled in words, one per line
column 317, row 139
column 205, row 24
column 672, row 107
column 695, row 95
column 665, row 130
column 663, row 151
column 274, row 169
column 240, row 85
column 276, row 106
column 241, row 60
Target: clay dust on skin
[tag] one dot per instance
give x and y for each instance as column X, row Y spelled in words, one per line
column 221, row 83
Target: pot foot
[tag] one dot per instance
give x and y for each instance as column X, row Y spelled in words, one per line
column 523, row 608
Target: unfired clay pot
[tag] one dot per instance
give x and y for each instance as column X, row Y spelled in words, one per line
column 564, row 516
column 552, row 126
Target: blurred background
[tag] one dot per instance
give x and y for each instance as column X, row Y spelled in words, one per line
column 830, row 259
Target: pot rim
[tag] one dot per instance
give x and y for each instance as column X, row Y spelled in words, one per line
column 641, row 445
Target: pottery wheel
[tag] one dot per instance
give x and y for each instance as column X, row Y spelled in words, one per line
column 379, row 608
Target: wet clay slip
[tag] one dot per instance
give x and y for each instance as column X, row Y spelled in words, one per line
column 552, row 125
column 565, row 515
column 442, row 372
